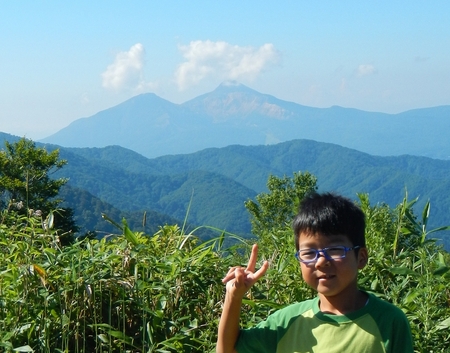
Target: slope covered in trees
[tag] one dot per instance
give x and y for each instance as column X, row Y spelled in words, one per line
column 340, row 169
column 203, row 197
column 210, row 187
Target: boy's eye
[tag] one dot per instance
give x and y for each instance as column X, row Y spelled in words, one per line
column 336, row 251
column 308, row 254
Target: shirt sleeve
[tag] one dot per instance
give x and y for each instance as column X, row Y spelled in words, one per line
column 401, row 337
column 261, row 338
column 264, row 337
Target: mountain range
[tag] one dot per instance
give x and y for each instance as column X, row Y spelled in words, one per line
column 236, row 114
column 201, row 160
column 209, row 187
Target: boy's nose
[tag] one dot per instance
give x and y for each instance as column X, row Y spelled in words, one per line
column 322, row 260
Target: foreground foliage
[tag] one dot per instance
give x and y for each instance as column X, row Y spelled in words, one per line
column 26, row 183
column 128, row 292
column 134, row 293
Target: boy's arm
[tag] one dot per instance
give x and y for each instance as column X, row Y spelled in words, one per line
column 238, row 281
column 229, row 324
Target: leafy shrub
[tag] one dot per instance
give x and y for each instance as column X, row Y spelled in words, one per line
column 409, row 269
column 126, row 292
column 130, row 292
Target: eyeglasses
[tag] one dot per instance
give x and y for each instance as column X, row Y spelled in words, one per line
column 331, row 253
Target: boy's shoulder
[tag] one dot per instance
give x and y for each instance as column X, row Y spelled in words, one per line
column 285, row 315
column 376, row 306
column 382, row 304
column 303, row 323
column 379, row 309
column 300, row 308
column 383, row 310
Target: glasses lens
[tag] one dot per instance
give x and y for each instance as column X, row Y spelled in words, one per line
column 336, row 252
column 307, row 254
column 332, row 253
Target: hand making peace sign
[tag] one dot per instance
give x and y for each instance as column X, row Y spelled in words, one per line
column 239, row 279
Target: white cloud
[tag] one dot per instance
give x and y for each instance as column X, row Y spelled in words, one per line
column 207, row 59
column 127, row 70
column 365, row 70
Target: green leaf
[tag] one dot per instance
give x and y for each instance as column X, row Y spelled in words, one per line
column 161, row 303
column 425, row 215
column 106, row 326
column 438, row 229
column 374, row 284
column 441, row 270
column 443, row 324
column 23, row 349
column 441, row 258
column 115, row 224
column 221, row 239
column 104, row 338
column 403, row 271
column 249, row 302
column 193, row 323
column 411, row 296
column 50, row 220
column 120, row 335
column 129, row 235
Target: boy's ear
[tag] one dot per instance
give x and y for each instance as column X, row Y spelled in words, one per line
column 363, row 257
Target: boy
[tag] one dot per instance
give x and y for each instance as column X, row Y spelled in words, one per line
column 330, row 242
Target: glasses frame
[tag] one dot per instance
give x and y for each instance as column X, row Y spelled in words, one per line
column 325, row 254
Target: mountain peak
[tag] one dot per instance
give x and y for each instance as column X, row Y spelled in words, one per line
column 230, row 83
column 233, row 86
column 233, row 100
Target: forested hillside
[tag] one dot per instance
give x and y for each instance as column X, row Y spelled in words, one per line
column 88, row 211
column 170, row 180
column 210, row 187
column 206, row 198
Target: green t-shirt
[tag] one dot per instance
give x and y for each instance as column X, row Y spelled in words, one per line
column 302, row 327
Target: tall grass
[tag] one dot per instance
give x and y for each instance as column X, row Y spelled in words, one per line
column 127, row 292
column 131, row 292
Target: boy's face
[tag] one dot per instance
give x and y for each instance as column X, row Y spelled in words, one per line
column 332, row 277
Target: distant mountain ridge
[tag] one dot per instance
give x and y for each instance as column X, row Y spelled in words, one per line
column 236, row 114
column 209, row 187
column 177, row 178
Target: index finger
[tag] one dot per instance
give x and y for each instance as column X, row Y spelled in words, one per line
column 261, row 272
column 253, row 256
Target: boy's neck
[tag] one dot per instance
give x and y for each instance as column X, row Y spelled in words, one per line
column 343, row 303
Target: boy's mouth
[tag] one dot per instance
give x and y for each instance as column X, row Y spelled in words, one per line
column 326, row 277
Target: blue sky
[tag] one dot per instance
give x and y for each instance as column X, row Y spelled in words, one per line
column 61, row 61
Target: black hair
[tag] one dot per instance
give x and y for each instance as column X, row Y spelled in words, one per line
column 329, row 214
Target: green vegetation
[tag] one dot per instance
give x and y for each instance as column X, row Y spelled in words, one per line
column 89, row 209
column 214, row 199
column 277, row 208
column 163, row 293
column 129, row 292
column 224, row 178
column 24, row 175
column 26, row 185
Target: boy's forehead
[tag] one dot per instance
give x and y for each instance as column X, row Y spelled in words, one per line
column 313, row 238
